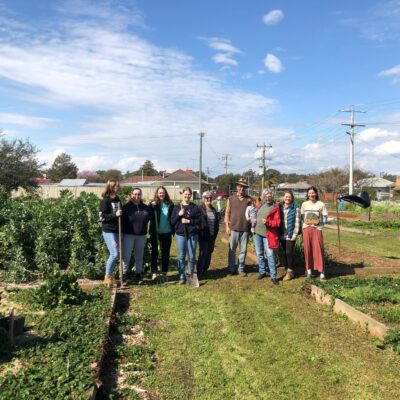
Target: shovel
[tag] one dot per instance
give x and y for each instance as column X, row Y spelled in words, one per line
column 121, row 268
column 191, row 276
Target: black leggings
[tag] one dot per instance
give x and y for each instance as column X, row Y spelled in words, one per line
column 165, row 245
column 287, row 253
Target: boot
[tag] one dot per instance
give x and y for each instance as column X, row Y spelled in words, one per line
column 108, row 280
column 289, row 275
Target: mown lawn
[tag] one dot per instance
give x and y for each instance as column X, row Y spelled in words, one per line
column 239, row 338
column 386, row 246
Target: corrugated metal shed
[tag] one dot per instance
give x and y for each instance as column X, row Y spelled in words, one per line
column 72, row 182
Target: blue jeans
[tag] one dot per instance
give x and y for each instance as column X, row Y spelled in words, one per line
column 261, row 244
column 111, row 240
column 236, row 238
column 136, row 243
column 184, row 246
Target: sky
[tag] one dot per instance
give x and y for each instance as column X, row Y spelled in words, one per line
column 114, row 83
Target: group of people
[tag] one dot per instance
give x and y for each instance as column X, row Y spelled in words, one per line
column 275, row 225
column 272, row 224
column 192, row 226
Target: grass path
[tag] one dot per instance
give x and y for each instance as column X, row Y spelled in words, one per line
column 385, row 246
column 239, row 338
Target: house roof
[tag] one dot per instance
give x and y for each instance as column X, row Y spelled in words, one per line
column 374, row 182
column 72, row 182
column 181, row 176
column 140, row 178
column 302, row 185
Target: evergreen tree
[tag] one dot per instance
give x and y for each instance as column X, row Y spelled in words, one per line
column 62, row 168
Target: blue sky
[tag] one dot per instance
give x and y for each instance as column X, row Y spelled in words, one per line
column 114, row 83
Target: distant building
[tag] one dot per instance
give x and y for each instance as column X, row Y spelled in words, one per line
column 376, row 186
column 299, row 189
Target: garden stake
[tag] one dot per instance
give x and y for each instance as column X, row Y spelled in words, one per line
column 192, row 279
column 121, row 268
column 337, row 221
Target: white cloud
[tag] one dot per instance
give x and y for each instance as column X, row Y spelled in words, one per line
column 371, row 134
column 261, row 72
column 391, row 147
column 24, row 120
column 129, row 163
column 226, row 50
column 220, row 58
column 393, row 72
column 273, row 17
column 273, row 63
column 221, row 44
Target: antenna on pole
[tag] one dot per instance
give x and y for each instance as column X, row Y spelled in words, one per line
column 351, row 133
column 262, row 162
column 201, row 134
column 226, row 158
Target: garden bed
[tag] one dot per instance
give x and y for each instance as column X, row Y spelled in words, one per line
column 61, row 354
column 377, row 298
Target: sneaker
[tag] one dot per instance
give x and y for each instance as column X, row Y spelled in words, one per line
column 261, row 276
column 275, row 281
column 154, row 276
column 242, row 274
column 322, row 277
column 309, row 273
column 108, row 280
column 139, row 279
column 289, row 275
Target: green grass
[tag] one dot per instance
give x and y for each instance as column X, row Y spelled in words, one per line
column 386, row 246
column 239, row 338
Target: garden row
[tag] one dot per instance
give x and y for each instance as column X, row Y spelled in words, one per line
column 61, row 356
column 40, row 236
column 378, row 297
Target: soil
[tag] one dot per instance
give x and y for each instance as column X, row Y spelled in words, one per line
column 350, row 262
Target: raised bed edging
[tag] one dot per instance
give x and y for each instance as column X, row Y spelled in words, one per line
column 92, row 392
column 363, row 321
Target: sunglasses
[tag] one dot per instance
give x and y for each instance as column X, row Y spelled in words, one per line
column 207, row 198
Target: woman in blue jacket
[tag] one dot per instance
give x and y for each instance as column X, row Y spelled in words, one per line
column 185, row 219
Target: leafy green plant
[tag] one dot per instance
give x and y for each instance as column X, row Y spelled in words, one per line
column 58, row 289
column 392, row 340
column 59, row 364
column 390, row 314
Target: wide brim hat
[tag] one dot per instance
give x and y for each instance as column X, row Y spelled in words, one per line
column 242, row 182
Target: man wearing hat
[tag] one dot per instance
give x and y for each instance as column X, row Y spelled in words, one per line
column 237, row 227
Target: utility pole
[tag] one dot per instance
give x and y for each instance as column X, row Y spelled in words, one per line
column 201, row 134
column 262, row 159
column 226, row 158
column 208, row 172
column 352, row 125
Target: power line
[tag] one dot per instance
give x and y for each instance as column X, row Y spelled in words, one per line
column 226, row 158
column 351, row 125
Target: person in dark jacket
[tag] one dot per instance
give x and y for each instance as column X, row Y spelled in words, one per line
column 185, row 219
column 110, row 211
column 208, row 232
column 161, row 230
column 136, row 216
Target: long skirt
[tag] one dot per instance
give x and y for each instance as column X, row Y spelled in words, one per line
column 313, row 249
